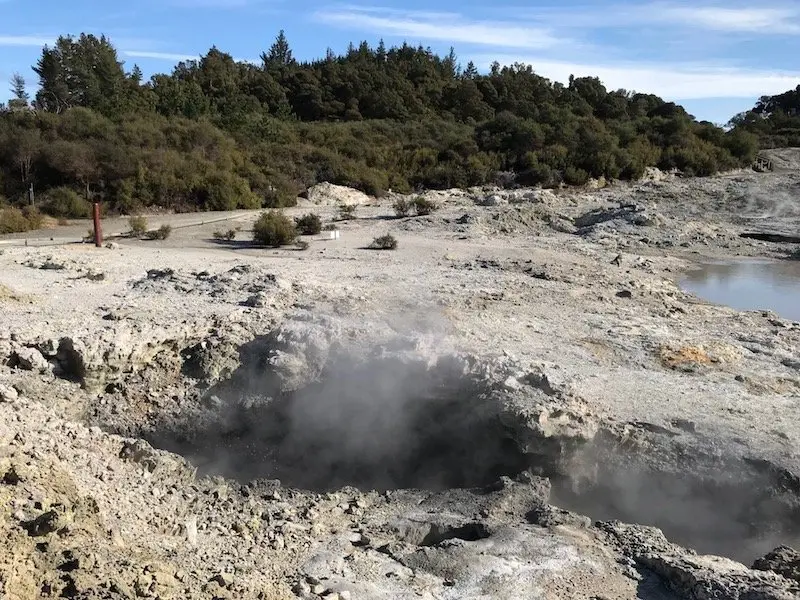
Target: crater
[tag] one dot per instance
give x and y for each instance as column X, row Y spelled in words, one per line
column 379, row 424
column 401, row 422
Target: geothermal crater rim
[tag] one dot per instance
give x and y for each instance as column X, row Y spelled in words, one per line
column 395, row 422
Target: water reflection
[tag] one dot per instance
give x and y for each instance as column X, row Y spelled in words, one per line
column 749, row 285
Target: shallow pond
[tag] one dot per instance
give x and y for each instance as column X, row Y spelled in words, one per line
column 749, row 285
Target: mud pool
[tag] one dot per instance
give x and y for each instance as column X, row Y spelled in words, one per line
column 749, row 285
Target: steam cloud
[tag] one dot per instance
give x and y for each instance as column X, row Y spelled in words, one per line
column 381, row 424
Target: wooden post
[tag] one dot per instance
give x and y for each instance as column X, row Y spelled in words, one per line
column 98, row 232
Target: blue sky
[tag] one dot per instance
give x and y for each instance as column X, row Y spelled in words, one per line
column 715, row 58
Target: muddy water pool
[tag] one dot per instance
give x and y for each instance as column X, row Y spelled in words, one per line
column 749, row 285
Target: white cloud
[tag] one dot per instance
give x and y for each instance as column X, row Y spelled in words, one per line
column 440, row 26
column 665, row 80
column 750, row 20
column 766, row 20
column 25, row 40
column 159, row 55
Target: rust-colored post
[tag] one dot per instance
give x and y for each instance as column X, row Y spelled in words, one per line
column 98, row 231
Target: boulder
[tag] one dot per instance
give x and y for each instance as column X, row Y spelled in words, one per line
column 783, row 561
column 8, row 393
column 329, row 194
column 30, row 359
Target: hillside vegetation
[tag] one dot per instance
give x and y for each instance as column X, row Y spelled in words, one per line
column 220, row 134
column 775, row 120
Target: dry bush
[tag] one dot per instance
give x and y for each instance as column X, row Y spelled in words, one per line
column 347, row 212
column 402, row 207
column 384, row 242
column 423, row 206
column 138, row 226
column 161, row 233
column 13, row 221
column 225, row 235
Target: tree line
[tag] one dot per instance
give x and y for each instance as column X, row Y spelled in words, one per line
column 220, row 134
column 775, row 120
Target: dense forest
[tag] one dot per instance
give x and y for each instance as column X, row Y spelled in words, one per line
column 221, row 134
column 774, row 119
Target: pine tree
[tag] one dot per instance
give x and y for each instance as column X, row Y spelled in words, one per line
column 471, row 71
column 364, row 50
column 18, row 88
column 380, row 53
column 449, row 63
column 83, row 72
column 136, row 74
column 279, row 53
column 21, row 97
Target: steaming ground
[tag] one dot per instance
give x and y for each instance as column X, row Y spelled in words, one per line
column 400, row 424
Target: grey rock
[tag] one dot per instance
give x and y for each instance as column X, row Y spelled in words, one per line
column 696, row 577
column 8, row 394
column 46, row 523
column 190, row 527
column 223, row 579
column 493, row 200
column 30, row 359
column 783, row 561
column 546, row 515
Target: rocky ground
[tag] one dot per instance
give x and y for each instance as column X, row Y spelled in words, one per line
column 517, row 402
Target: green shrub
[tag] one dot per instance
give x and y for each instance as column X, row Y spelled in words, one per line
column 309, row 224
column 138, row 226
column 423, row 206
column 274, row 229
column 384, row 242
column 575, row 176
column 279, row 197
column 402, row 207
column 226, row 191
column 347, row 212
column 65, row 202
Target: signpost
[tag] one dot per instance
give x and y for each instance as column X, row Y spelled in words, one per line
column 98, row 232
